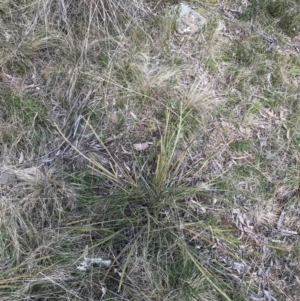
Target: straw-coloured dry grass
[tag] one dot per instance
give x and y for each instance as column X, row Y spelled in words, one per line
column 140, row 164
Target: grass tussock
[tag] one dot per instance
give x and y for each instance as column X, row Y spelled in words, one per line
column 139, row 164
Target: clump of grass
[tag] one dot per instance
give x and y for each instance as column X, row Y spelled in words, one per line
column 285, row 12
column 288, row 13
column 148, row 217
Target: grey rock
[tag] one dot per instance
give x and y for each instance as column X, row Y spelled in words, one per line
column 188, row 20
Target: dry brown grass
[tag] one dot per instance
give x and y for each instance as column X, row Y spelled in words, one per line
column 209, row 210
